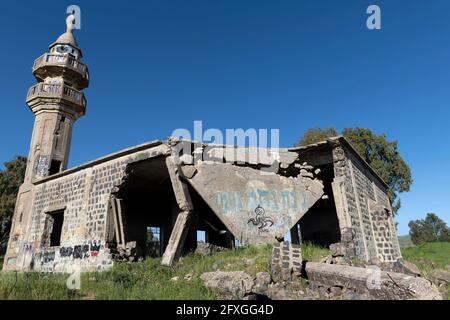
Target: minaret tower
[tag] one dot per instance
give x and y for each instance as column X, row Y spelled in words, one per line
column 57, row 101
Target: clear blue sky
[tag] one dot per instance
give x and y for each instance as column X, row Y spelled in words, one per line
column 160, row 65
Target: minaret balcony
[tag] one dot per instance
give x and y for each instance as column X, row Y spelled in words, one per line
column 47, row 93
column 58, row 64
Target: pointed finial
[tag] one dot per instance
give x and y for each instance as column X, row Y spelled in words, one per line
column 70, row 22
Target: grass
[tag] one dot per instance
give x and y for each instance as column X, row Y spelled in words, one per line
column 144, row 280
column 405, row 241
column 312, row 252
column 428, row 257
column 149, row 280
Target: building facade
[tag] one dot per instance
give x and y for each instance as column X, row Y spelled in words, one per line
column 154, row 198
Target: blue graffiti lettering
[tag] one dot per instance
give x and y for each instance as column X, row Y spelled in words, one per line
column 273, row 200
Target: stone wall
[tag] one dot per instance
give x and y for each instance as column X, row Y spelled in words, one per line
column 342, row 170
column 84, row 193
column 390, row 239
column 367, row 207
column 84, row 196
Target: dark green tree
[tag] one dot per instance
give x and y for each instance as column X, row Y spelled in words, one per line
column 314, row 135
column 10, row 180
column 382, row 155
column 430, row 229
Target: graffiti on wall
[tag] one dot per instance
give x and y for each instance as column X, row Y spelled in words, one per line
column 82, row 251
column 272, row 200
column 42, row 165
column 261, row 220
column 89, row 249
column 255, row 208
column 48, row 256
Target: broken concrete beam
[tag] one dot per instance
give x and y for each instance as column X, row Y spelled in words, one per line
column 180, row 189
column 183, row 221
column 248, row 155
column 177, row 237
column 374, row 282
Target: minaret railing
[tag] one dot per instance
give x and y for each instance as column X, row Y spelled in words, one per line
column 60, row 59
column 51, row 90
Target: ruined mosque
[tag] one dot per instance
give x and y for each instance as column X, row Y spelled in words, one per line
column 153, row 199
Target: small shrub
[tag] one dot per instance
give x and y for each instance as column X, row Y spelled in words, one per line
column 124, row 278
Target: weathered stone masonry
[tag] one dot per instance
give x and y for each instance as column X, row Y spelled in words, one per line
column 99, row 212
column 84, row 195
column 369, row 214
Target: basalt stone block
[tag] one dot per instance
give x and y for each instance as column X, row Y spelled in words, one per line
column 286, row 261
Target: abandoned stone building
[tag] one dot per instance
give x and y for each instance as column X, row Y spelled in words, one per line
column 154, row 198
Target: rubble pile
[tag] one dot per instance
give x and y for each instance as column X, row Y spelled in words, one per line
column 337, row 276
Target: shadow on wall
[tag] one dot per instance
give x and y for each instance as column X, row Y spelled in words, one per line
column 320, row 225
column 149, row 211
